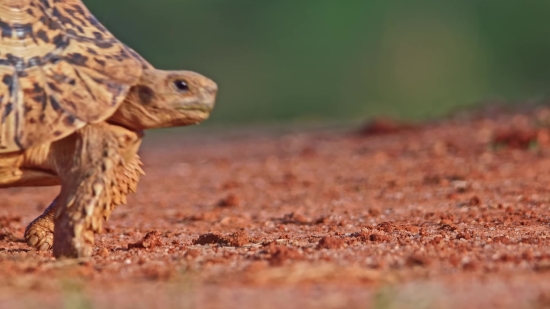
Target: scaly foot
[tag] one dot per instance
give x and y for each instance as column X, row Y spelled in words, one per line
column 39, row 233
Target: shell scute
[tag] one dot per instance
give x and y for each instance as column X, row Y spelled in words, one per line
column 60, row 69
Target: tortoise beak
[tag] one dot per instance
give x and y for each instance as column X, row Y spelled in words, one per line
column 208, row 94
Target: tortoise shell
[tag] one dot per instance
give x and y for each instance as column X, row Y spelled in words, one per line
column 60, row 69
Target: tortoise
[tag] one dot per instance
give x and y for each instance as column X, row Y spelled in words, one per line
column 74, row 102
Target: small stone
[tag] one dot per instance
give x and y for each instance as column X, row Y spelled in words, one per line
column 104, row 253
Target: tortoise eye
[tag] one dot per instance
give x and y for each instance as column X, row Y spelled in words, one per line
column 181, row 85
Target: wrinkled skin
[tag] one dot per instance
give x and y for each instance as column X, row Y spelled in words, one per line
column 98, row 165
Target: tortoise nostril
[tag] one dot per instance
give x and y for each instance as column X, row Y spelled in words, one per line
column 212, row 88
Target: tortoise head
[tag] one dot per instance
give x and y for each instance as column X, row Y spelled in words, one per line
column 167, row 99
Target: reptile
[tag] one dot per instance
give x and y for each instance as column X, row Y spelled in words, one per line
column 74, row 102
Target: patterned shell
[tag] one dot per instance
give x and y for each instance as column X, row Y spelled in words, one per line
column 60, row 69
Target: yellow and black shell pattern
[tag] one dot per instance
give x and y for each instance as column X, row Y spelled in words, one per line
column 60, row 69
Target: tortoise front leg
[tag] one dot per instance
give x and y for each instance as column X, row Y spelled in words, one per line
column 39, row 233
column 86, row 164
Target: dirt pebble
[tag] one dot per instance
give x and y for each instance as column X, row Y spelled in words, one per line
column 329, row 242
column 151, row 240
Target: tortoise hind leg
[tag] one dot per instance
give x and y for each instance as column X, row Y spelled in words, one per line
column 86, row 164
column 39, row 233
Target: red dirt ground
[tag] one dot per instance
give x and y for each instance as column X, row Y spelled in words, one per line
column 453, row 214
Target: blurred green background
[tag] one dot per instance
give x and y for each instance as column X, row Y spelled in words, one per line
column 342, row 60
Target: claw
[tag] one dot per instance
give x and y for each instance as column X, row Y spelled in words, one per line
column 44, row 247
column 32, row 241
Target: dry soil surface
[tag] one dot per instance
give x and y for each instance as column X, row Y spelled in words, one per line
column 450, row 214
